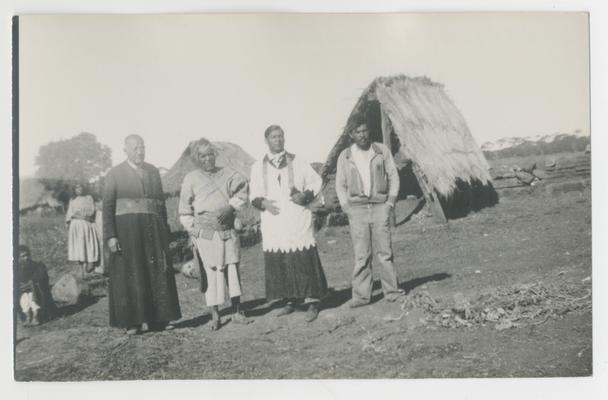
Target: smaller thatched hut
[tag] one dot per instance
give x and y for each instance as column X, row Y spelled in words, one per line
column 229, row 154
column 34, row 196
column 433, row 147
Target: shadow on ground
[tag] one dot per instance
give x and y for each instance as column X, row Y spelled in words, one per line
column 335, row 298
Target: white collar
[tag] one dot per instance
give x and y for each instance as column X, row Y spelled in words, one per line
column 135, row 167
column 275, row 156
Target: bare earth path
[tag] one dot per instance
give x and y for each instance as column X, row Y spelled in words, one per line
column 538, row 244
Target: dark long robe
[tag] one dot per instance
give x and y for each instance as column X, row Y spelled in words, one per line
column 142, row 282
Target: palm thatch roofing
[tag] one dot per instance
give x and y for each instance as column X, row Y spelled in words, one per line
column 33, row 194
column 426, row 129
column 229, row 154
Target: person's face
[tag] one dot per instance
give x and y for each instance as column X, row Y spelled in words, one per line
column 135, row 150
column 276, row 141
column 78, row 190
column 361, row 137
column 206, row 158
column 24, row 257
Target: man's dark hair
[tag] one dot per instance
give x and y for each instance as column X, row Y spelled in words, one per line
column 357, row 121
column 272, row 128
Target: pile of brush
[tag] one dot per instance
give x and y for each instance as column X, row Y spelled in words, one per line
column 518, row 305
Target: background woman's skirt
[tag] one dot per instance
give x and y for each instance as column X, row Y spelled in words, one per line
column 83, row 244
column 294, row 274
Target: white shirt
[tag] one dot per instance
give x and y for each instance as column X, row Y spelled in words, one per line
column 292, row 228
column 362, row 159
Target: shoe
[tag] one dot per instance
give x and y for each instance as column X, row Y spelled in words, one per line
column 357, row 303
column 160, row 326
column 132, row 331
column 393, row 297
column 312, row 313
column 240, row 318
column 215, row 324
column 288, row 309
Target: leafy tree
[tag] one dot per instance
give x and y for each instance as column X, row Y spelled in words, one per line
column 79, row 158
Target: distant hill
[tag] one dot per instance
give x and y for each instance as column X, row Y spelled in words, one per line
column 535, row 145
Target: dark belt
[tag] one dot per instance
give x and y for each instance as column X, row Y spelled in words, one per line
column 138, row 206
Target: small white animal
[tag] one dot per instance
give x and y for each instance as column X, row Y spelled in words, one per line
column 190, row 270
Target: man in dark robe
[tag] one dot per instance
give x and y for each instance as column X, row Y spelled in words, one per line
column 142, row 283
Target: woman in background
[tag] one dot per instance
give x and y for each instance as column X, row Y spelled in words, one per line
column 83, row 244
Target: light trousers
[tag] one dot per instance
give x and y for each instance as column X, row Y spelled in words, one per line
column 371, row 231
column 222, row 285
column 28, row 304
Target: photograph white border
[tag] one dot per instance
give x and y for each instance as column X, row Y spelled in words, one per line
column 556, row 388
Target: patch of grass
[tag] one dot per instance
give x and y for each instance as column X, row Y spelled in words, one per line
column 47, row 238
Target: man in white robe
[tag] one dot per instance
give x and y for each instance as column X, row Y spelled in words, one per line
column 282, row 186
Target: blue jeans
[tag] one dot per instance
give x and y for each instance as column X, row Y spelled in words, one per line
column 370, row 229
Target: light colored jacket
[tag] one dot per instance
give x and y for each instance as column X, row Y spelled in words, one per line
column 384, row 178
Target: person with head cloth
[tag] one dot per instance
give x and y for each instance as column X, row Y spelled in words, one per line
column 142, row 283
column 283, row 187
column 209, row 197
column 83, row 245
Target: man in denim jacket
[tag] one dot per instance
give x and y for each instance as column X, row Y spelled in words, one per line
column 367, row 185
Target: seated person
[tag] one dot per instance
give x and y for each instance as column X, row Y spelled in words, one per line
column 35, row 299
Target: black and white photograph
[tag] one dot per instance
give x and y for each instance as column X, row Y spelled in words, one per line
column 302, row 196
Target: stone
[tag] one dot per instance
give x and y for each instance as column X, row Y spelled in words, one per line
column 525, row 177
column 69, row 289
column 529, row 166
column 550, row 163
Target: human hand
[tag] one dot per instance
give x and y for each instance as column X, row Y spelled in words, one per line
column 114, row 245
column 225, row 214
column 270, row 206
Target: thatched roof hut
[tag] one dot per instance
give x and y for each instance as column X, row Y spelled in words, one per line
column 429, row 139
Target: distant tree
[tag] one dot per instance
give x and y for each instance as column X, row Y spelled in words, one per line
column 79, row 158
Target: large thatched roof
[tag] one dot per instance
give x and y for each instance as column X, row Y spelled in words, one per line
column 229, row 154
column 427, row 128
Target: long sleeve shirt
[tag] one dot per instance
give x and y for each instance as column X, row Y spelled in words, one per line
column 206, row 193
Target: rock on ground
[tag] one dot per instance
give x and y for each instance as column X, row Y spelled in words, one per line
column 69, row 289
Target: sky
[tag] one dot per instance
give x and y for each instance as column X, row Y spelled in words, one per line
column 175, row 78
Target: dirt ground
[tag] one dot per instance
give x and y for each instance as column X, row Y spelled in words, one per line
column 504, row 292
